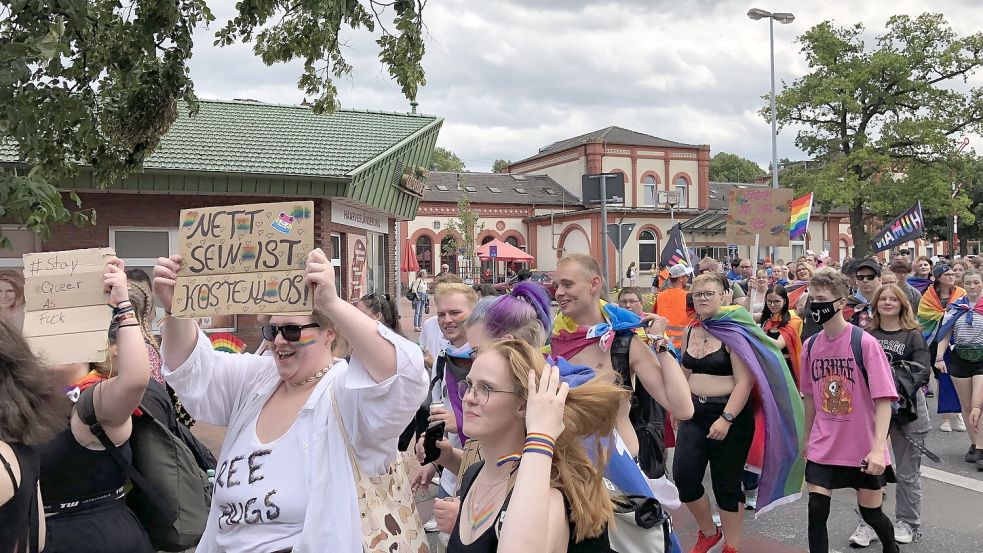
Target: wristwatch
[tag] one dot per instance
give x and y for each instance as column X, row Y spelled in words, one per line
column 662, row 346
column 727, row 417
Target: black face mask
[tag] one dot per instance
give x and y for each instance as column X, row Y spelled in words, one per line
column 823, row 311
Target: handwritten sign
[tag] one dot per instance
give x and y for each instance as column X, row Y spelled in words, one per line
column 67, row 311
column 244, row 259
column 358, row 278
column 758, row 211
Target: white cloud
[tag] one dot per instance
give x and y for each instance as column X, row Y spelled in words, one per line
column 511, row 76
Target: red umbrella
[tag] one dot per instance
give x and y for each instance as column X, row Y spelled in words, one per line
column 505, row 252
column 408, row 263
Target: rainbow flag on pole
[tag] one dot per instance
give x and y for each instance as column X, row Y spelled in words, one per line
column 799, row 222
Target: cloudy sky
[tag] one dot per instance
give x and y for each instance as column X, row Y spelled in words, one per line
column 511, row 76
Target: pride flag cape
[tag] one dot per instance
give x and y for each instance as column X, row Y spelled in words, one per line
column 795, row 291
column 958, row 309
column 783, row 467
column 801, row 208
column 930, row 312
column 919, row 283
column 569, row 338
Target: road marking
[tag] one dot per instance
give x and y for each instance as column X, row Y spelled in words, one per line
column 952, row 479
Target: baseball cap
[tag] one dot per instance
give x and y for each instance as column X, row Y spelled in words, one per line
column 679, row 270
column 868, row 264
column 940, row 269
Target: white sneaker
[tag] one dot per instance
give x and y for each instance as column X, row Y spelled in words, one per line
column 903, row 532
column 959, row 425
column 863, row 535
column 716, row 519
column 430, row 526
column 751, row 501
column 946, row 426
column 435, row 480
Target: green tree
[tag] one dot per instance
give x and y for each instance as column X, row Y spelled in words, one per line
column 501, row 165
column 726, row 167
column 446, row 160
column 883, row 121
column 98, row 83
column 465, row 229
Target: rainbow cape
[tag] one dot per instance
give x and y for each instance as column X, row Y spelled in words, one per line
column 783, row 467
column 795, row 291
column 958, row 309
column 931, row 312
column 800, row 210
column 569, row 338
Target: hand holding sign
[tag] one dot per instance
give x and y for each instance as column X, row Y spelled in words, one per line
column 165, row 275
column 319, row 276
column 115, row 281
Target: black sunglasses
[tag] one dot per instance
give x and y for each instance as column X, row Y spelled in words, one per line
column 290, row 333
column 866, row 277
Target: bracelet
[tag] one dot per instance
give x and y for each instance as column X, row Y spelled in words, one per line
column 131, row 324
column 124, row 316
column 125, row 304
column 539, row 443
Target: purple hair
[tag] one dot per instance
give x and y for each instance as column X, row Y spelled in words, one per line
column 513, row 312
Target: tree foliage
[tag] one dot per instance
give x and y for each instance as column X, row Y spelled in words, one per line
column 885, row 122
column 99, row 82
column 726, row 167
column 465, row 229
column 501, row 165
column 446, row 160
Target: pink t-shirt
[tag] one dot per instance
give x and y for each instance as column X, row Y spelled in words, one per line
column 843, row 431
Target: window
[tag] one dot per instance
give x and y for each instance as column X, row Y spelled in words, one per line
column 495, row 189
column 424, row 254
column 649, row 186
column 139, row 248
column 448, row 253
column 682, row 187
column 550, row 191
column 442, row 188
column 21, row 241
column 470, row 189
column 375, row 263
column 511, row 240
column 521, row 191
column 648, row 251
column 336, row 260
column 798, row 249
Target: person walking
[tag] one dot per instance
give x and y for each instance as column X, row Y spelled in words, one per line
column 931, row 311
column 420, row 289
column 901, row 268
column 894, row 326
column 284, row 448
column 631, row 274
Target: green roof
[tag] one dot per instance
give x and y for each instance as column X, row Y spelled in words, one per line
column 256, row 138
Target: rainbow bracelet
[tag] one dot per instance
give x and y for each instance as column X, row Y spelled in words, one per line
column 539, row 443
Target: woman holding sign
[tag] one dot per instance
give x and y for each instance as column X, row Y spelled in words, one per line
column 285, row 478
column 82, row 486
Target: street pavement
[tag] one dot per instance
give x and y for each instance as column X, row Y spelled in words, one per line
column 952, row 508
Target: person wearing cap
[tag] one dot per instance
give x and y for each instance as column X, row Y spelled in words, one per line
column 901, row 268
column 671, row 304
column 858, row 310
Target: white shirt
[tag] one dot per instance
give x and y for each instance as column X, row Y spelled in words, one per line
column 230, row 390
column 261, row 495
column 432, row 340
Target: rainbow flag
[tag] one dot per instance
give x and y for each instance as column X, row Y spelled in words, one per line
column 801, row 208
column 778, row 399
column 930, row 312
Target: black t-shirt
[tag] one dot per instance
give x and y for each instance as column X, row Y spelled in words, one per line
column 903, row 345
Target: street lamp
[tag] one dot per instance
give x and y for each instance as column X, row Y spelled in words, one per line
column 785, row 18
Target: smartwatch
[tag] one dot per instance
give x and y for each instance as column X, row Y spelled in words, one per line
column 727, row 417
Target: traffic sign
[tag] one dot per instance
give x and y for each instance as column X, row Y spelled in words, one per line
column 619, row 234
column 492, row 251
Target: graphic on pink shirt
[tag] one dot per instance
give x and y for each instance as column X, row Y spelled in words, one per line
column 837, row 401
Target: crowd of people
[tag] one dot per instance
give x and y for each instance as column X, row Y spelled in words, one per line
column 780, row 379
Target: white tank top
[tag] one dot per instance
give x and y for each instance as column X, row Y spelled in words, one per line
column 261, row 492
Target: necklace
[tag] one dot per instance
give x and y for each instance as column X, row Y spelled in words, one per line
column 479, row 515
column 310, row 378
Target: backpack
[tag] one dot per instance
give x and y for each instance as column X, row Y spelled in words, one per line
column 646, row 415
column 171, row 494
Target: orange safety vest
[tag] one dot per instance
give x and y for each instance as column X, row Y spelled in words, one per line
column 671, row 304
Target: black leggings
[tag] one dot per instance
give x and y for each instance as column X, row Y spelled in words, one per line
column 726, row 457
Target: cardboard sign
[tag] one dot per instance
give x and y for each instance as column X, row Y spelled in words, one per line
column 67, row 311
column 357, row 275
column 244, row 259
column 758, row 211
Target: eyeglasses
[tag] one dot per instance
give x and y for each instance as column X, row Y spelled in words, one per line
column 290, row 333
column 745, row 267
column 628, row 302
column 481, row 393
column 709, row 294
column 775, row 302
column 866, row 277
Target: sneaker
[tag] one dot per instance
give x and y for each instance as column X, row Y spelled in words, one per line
column 946, row 426
column 751, row 501
column 928, row 391
column 959, row 425
column 716, row 519
column 863, row 535
column 704, row 544
column 435, row 480
column 979, row 463
column 972, row 455
column 430, row 526
column 903, row 532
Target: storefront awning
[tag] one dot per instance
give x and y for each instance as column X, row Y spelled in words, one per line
column 710, row 222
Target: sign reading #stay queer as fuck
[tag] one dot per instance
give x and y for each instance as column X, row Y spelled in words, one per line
column 67, row 311
column 244, row 259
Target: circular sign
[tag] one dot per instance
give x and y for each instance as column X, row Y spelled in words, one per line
column 500, row 226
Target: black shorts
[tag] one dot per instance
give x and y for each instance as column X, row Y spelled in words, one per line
column 835, row 477
column 960, row 368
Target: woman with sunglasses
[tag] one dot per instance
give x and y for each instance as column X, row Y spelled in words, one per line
column 285, row 480
column 531, row 428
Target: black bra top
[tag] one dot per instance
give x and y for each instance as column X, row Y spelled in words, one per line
column 713, row 364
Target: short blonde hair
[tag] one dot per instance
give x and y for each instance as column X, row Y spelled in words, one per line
column 831, row 280
column 588, row 263
column 445, row 289
column 707, row 278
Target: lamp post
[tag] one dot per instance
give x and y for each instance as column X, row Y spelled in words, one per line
column 785, row 18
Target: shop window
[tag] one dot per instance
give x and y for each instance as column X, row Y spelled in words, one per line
column 648, row 251
column 139, row 248
column 336, row 260
column 424, row 254
column 511, row 240
column 448, row 253
column 649, row 187
column 682, row 188
column 21, row 241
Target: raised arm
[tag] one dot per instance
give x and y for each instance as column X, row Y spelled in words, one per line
column 663, row 378
column 361, row 331
column 178, row 336
column 116, row 398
